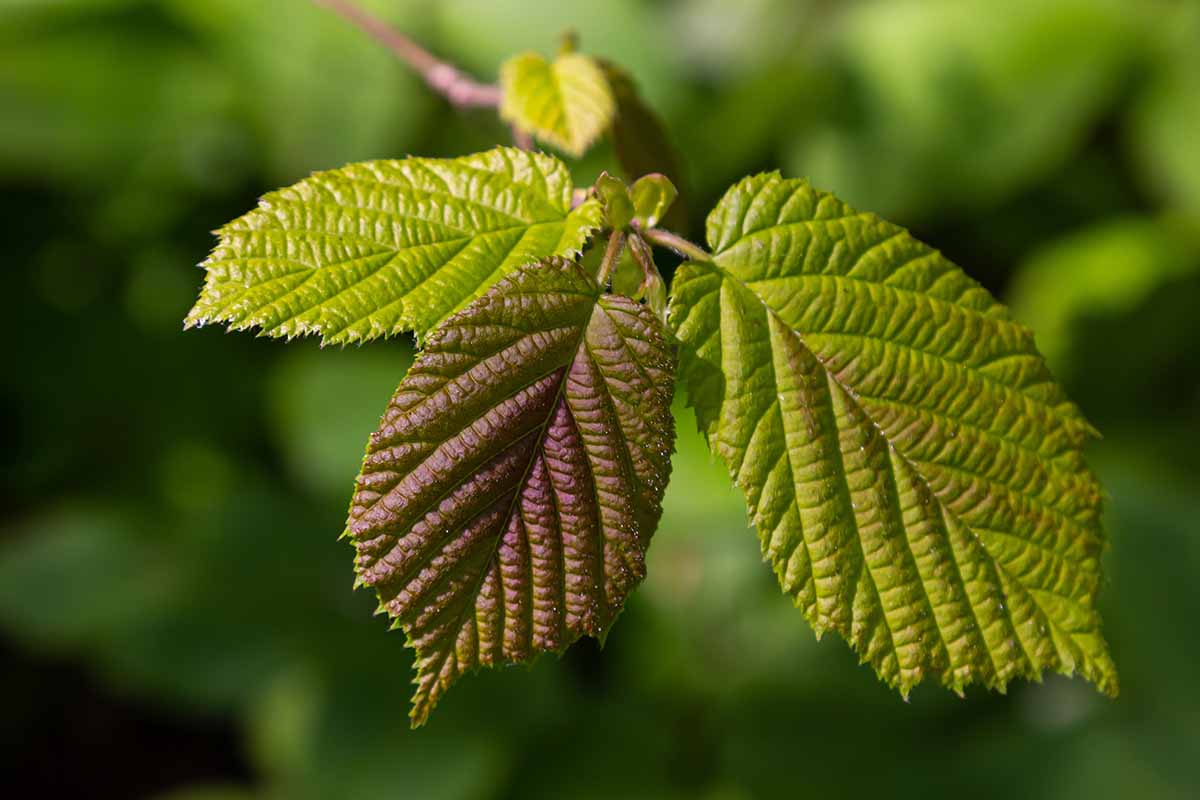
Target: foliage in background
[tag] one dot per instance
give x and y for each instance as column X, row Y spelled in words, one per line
column 912, row 467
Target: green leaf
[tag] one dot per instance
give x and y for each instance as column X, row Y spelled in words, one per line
column 567, row 102
column 913, row 470
column 618, row 205
column 506, row 501
column 652, row 198
column 383, row 247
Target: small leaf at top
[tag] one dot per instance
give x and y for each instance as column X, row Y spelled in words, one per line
column 652, row 198
column 566, row 103
column 914, row 472
column 384, row 247
column 506, row 501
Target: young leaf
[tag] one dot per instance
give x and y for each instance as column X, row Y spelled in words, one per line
column 652, row 196
column 651, row 286
column 384, row 247
column 913, row 470
column 567, row 102
column 506, row 501
column 618, row 205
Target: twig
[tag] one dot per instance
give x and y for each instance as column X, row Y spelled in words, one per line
column 447, row 80
column 676, row 243
column 522, row 139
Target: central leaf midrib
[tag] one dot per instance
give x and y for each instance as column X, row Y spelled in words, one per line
column 543, row 201
column 1052, row 410
column 437, row 545
column 561, row 105
column 623, row 442
column 472, row 595
column 725, row 274
column 846, row 495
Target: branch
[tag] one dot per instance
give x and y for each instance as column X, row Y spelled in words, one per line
column 447, row 80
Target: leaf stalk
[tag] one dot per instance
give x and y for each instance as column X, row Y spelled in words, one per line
column 677, row 244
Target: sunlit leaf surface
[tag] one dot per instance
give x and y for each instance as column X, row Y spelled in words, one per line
column 913, row 470
column 384, row 247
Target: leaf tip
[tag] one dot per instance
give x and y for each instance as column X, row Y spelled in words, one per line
column 418, row 715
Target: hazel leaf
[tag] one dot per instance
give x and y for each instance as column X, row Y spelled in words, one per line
column 914, row 472
column 507, row 500
column 383, row 247
column 652, row 197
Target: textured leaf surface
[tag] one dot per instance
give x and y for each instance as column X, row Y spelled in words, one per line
column 913, row 470
column 566, row 102
column 384, row 247
column 507, row 499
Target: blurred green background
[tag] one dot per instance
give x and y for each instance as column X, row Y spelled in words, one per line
column 176, row 613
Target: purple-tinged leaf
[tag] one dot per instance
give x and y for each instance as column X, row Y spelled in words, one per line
column 506, row 501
